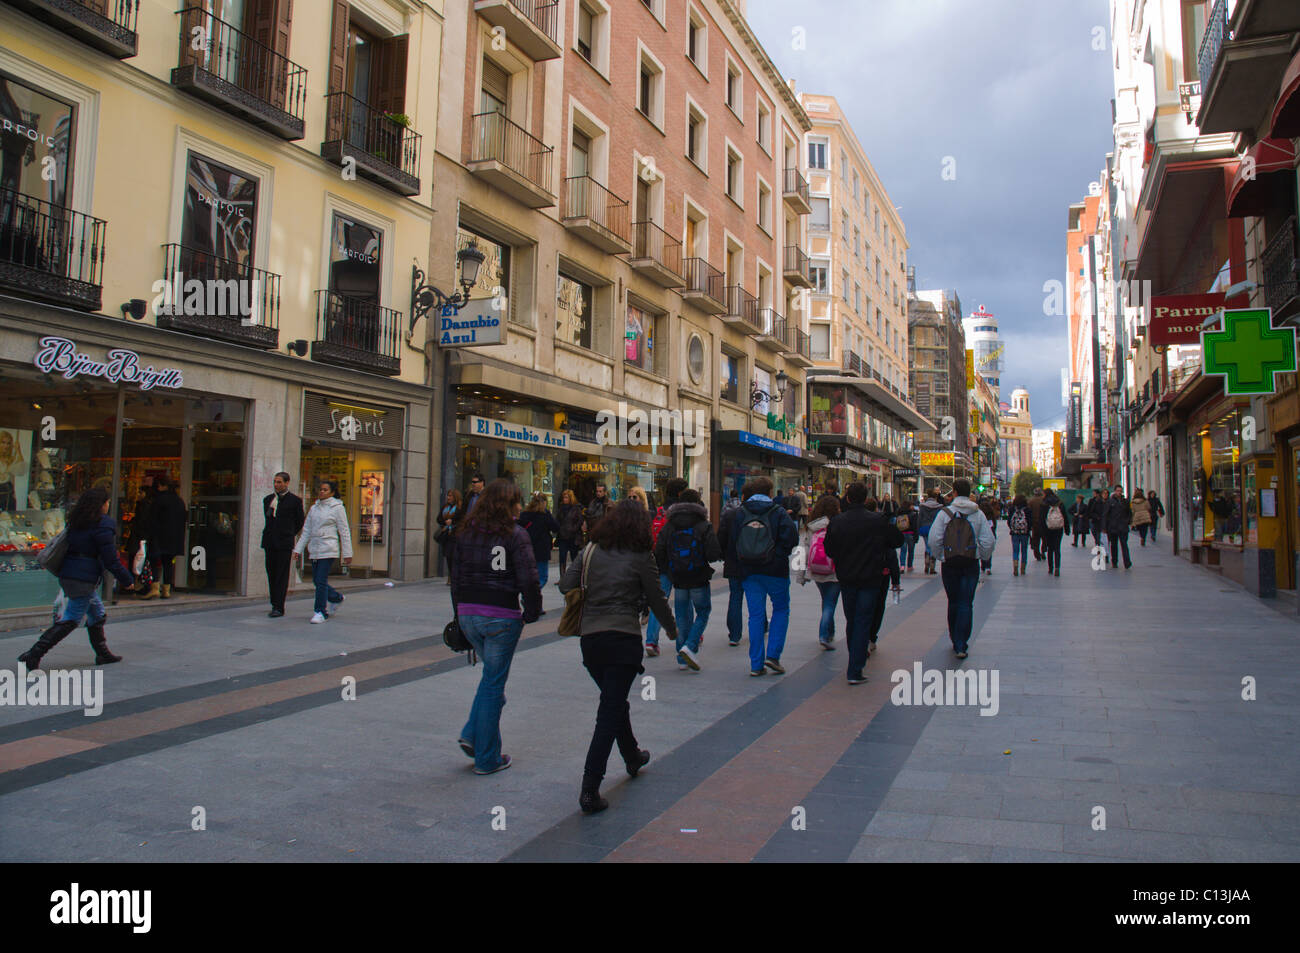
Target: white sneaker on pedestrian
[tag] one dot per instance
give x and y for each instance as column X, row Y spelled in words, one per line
column 688, row 657
column 317, row 618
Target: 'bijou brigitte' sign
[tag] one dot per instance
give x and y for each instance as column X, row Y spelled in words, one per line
column 59, row 355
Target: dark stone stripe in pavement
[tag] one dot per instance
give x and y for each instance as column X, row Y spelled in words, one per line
column 637, row 803
column 867, row 769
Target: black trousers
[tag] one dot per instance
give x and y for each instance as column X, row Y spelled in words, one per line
column 613, row 718
column 878, row 614
column 1036, row 543
column 277, row 575
column 1080, row 531
column 1118, row 540
column 1052, row 546
column 568, row 549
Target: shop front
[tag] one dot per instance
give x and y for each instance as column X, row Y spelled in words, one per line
column 740, row 456
column 357, row 444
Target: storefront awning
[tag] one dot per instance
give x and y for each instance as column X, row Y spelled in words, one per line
column 1186, row 194
column 1256, row 186
column 1286, row 112
column 789, row 454
column 912, row 420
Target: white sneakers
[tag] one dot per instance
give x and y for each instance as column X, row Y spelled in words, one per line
column 317, row 618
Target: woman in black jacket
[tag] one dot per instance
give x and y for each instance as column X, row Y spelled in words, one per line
column 622, row 578
column 447, row 518
column 1052, row 535
column 486, row 590
column 1079, row 517
column 92, row 551
column 1118, row 515
column 541, row 527
column 168, row 516
column 569, row 539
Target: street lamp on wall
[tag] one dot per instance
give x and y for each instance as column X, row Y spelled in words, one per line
column 757, row 396
column 425, row 297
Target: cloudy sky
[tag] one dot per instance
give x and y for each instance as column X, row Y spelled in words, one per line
column 1016, row 93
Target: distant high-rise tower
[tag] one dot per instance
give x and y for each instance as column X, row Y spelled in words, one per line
column 982, row 336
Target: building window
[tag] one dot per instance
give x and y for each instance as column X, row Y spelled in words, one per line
column 356, row 254
column 697, row 49
column 640, row 337
column 585, row 32
column 821, row 214
column 494, row 273
column 820, row 273
column 821, row 341
column 649, row 98
column 573, row 301
column 844, row 226
column 697, row 143
column 220, row 213
column 857, row 297
column 856, row 197
column 764, row 207
column 733, row 88
column 857, row 242
column 735, row 176
column 844, row 286
column 764, row 127
column 37, row 127
column 730, row 375
column 816, row 155
column 695, row 359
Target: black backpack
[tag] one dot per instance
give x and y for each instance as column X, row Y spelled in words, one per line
column 685, row 552
column 755, row 538
column 959, row 546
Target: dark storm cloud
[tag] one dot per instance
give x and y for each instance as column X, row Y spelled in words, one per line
column 1016, row 94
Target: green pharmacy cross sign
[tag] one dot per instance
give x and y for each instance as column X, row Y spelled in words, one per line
column 1249, row 351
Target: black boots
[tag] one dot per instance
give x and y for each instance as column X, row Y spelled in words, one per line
column 100, row 644
column 49, row 638
column 590, row 800
column 634, row 765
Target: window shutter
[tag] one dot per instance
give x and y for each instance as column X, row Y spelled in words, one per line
column 269, row 26
column 388, row 82
column 339, row 52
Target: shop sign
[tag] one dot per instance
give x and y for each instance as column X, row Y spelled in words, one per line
column 581, row 467
column 504, row 430
column 1053, row 484
column 518, row 453
column 970, row 369
column 1177, row 319
column 906, row 473
column 841, row 452
column 1249, row 351
column 754, row 440
column 781, row 424
column 940, row 458
column 478, row 331
column 60, row 356
column 334, row 418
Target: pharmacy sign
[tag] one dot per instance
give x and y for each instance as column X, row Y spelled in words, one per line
column 1249, row 351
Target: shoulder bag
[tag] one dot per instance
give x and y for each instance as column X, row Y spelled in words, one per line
column 571, row 620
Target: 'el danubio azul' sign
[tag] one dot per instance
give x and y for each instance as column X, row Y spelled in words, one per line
column 504, row 430
column 60, row 356
column 455, row 331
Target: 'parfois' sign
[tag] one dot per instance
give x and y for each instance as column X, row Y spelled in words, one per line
column 60, row 356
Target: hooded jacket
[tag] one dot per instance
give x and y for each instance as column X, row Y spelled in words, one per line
column 859, row 541
column 692, row 516
column 1050, row 501
column 1141, row 510
column 803, row 575
column 326, row 534
column 985, row 541
column 927, row 511
column 785, row 536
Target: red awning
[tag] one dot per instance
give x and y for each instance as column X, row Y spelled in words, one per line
column 1286, row 112
column 1251, row 191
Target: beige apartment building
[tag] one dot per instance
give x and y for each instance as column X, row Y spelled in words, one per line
column 862, row 417
column 269, row 162
column 631, row 170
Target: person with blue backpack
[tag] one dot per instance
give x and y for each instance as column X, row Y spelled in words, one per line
column 960, row 537
column 759, row 537
column 819, row 567
column 860, row 541
column 686, row 545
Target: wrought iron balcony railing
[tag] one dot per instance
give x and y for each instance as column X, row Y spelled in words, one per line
column 743, row 305
column 1281, row 269
column 586, row 198
column 1216, row 31
column 543, row 14
column 494, row 137
column 796, row 263
column 49, row 252
column 387, row 150
column 219, row 298
column 107, row 25
column 854, row 364
column 650, row 242
column 228, row 68
column 797, row 185
column 703, row 278
column 357, row 333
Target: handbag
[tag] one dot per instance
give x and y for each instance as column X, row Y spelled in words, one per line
column 454, row 639
column 51, row 557
column 571, row 621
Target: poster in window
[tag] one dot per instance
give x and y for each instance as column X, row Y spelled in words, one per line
column 15, row 469
column 35, row 142
column 373, row 486
column 573, row 312
column 494, row 273
column 220, row 215
column 355, row 257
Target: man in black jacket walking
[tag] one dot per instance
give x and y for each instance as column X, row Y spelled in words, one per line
column 1118, row 515
column 859, row 541
column 1097, row 515
column 284, row 518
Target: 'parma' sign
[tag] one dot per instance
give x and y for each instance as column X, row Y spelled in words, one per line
column 1177, row 319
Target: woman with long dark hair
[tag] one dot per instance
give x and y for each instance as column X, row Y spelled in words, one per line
column 92, row 550
column 622, row 578
column 541, row 527
column 568, row 539
column 493, row 568
column 820, row 569
column 447, row 518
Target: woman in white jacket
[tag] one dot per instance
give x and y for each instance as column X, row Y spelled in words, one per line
column 325, row 537
column 828, row 585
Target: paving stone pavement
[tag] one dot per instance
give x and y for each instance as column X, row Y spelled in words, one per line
column 1120, row 697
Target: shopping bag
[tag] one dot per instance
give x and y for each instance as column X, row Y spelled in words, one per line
column 141, row 558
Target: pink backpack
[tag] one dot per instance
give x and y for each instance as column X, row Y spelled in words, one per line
column 819, row 564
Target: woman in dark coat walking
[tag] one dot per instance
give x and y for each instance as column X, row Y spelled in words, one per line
column 623, row 577
column 541, row 527
column 569, row 539
column 92, row 551
column 448, row 516
column 1118, row 517
column 168, row 516
column 1157, row 511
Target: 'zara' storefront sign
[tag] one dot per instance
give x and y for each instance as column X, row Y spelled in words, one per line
column 58, row 355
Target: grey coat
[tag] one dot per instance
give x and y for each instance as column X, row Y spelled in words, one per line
column 619, row 584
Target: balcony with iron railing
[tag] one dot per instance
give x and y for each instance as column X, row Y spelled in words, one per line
column 50, row 253
column 1239, row 74
column 741, row 311
column 798, row 345
column 771, row 329
column 796, row 193
column 237, row 74
column 1281, row 271
column 218, row 298
column 657, row 255
column 704, row 286
column 597, row 215
column 508, row 157
column 107, row 25
column 853, row 364
column 384, row 147
column 531, row 25
column 797, row 267
column 357, row 333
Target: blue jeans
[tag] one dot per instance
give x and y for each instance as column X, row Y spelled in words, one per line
column 735, row 610
column 859, row 611
column 90, row 607
column 652, row 627
column 1019, row 548
column 906, row 551
column 830, row 596
column 543, row 571
column 494, row 640
column 320, row 574
column 688, row 603
column 1154, row 523
column 960, row 582
column 757, row 591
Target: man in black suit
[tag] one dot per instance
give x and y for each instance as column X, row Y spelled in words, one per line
column 284, row 519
